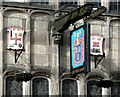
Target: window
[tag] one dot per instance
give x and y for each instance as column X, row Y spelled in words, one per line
column 40, row 86
column 97, row 3
column 12, row 87
column 115, row 89
column 39, row 2
column 69, row 2
column 39, row 26
column 92, row 89
column 69, row 87
column 14, row 0
column 115, row 6
column 14, row 19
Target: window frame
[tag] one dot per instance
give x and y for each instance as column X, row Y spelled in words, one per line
column 78, row 86
column 62, row 3
column 4, row 86
column 86, row 92
column 95, row 7
column 115, row 6
column 116, row 81
column 49, row 82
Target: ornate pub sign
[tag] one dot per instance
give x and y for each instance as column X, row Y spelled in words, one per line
column 15, row 39
column 96, row 47
column 78, row 50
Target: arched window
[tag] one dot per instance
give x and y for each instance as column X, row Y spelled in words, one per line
column 12, row 87
column 40, row 86
column 69, row 87
column 14, row 19
column 39, row 28
column 92, row 89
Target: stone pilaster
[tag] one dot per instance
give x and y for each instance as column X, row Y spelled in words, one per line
column 1, row 52
column 26, row 85
column 81, row 87
column 55, row 71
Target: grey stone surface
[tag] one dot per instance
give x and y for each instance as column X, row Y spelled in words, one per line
column 44, row 56
column 114, row 44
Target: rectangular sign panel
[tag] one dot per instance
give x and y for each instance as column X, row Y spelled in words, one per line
column 78, row 50
column 96, row 47
column 15, row 39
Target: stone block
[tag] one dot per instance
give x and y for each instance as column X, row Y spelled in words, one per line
column 96, row 29
column 1, row 46
column 114, row 54
column 68, row 62
column 49, row 49
column 114, row 66
column 1, row 58
column 41, row 59
column 114, row 44
column 10, row 58
column 40, row 49
column 33, row 49
column 27, row 48
column 119, row 44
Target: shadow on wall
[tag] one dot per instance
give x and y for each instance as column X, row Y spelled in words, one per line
column 111, row 66
column 65, row 52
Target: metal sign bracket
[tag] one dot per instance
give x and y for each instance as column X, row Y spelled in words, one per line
column 17, row 55
column 97, row 61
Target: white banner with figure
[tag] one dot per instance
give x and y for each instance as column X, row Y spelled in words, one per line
column 96, row 45
column 15, row 39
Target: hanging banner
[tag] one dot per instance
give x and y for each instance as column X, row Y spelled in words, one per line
column 96, row 47
column 78, row 50
column 15, row 39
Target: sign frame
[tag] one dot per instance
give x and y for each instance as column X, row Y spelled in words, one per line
column 102, row 50
column 19, row 31
column 85, row 67
column 64, row 22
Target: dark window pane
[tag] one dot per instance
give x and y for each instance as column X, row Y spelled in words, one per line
column 115, row 89
column 13, row 87
column 97, row 4
column 119, row 6
column 69, row 87
column 40, row 87
column 113, row 6
column 39, row 2
column 92, row 89
column 64, row 3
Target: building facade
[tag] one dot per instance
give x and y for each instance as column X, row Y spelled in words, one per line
column 50, row 63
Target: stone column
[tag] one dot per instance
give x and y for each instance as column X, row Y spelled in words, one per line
column 55, row 71
column 55, row 67
column 82, row 85
column 26, row 85
column 106, row 91
column 1, row 52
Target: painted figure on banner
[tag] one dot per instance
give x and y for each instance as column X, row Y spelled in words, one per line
column 78, row 48
column 15, row 39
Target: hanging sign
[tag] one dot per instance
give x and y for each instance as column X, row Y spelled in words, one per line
column 78, row 50
column 96, row 47
column 15, row 39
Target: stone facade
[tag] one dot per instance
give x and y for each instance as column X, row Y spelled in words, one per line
column 49, row 62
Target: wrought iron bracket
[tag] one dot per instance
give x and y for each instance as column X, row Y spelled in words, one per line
column 97, row 61
column 17, row 55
